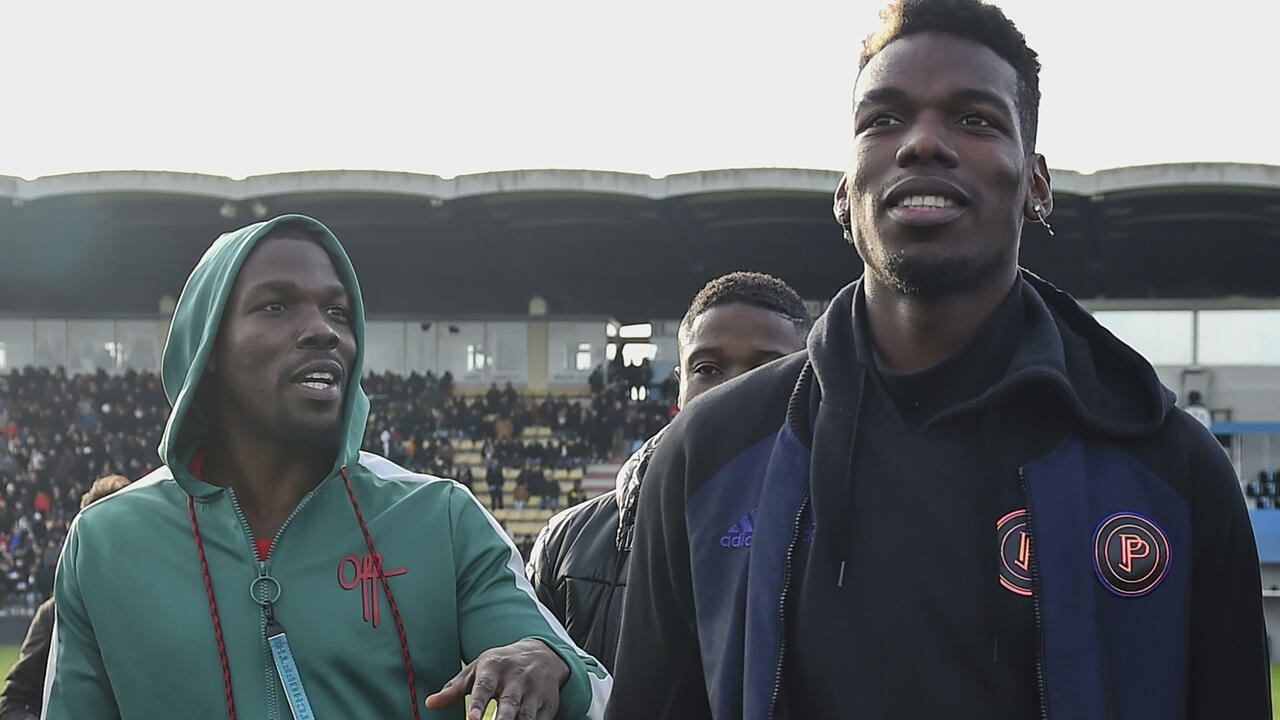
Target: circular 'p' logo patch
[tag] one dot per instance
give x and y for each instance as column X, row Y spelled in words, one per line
column 1015, row 553
column 1131, row 554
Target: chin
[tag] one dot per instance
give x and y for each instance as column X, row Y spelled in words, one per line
column 931, row 276
column 312, row 433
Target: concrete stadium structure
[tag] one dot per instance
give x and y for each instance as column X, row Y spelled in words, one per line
column 602, row 243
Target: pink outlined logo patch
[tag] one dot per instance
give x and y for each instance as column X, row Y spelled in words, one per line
column 1015, row 553
column 1131, row 554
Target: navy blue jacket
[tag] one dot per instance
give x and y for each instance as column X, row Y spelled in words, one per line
column 1144, row 569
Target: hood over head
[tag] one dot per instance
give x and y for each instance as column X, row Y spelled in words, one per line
column 196, row 321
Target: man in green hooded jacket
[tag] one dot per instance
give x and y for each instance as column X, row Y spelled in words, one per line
column 272, row 570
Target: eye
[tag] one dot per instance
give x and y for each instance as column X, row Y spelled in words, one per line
column 977, row 120
column 272, row 307
column 338, row 312
column 706, row 369
column 880, row 120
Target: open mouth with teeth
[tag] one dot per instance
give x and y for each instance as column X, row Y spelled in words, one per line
column 320, row 384
column 926, row 202
column 318, row 380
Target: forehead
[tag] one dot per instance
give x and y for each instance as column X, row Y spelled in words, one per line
column 932, row 64
column 740, row 323
column 293, row 259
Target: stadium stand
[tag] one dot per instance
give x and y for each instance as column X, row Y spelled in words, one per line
column 61, row 432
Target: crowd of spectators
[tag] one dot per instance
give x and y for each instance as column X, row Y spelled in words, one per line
column 416, row 420
column 60, row 433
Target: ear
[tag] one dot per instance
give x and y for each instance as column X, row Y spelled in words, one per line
column 1039, row 192
column 840, row 203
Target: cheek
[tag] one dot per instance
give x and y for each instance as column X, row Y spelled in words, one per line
column 348, row 346
column 253, row 360
column 865, row 160
column 1007, row 171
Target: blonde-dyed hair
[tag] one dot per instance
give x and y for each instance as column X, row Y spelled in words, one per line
column 101, row 488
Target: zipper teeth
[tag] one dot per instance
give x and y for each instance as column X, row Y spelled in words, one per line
column 268, row 678
column 782, row 606
column 1035, row 602
column 269, row 675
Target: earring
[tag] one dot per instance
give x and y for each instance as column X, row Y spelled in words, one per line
column 1040, row 217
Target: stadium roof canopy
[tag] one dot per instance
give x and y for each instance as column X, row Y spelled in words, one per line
column 604, row 243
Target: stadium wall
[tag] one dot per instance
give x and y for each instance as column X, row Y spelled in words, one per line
column 551, row 355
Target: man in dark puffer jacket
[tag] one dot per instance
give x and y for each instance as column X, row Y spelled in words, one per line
column 578, row 567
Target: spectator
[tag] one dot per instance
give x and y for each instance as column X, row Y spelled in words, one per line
column 493, row 478
column 522, row 492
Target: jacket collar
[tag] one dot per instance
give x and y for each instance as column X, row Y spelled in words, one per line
column 1106, row 385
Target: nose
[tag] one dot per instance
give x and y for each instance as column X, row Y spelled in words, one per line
column 926, row 142
column 318, row 332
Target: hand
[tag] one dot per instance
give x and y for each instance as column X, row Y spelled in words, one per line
column 524, row 677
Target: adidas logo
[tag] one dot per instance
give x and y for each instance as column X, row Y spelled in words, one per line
column 739, row 535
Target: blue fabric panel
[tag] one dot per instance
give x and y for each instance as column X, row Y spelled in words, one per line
column 719, row 550
column 1107, row 656
column 786, row 480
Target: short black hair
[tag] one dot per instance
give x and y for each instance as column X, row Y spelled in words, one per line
column 973, row 20
column 750, row 288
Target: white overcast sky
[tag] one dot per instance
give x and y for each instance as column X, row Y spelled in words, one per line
column 656, row 87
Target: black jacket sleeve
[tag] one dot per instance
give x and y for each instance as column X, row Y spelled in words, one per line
column 1230, row 672
column 542, row 571
column 23, row 691
column 659, row 669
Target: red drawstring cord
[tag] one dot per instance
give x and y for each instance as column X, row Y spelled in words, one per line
column 213, row 611
column 386, row 587
column 391, row 599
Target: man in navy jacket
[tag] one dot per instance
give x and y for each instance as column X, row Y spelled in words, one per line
column 978, row 502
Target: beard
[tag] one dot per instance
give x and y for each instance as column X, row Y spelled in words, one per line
column 930, row 277
column 311, row 434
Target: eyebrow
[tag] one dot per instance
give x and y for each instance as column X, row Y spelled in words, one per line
column 714, row 352
column 287, row 287
column 890, row 95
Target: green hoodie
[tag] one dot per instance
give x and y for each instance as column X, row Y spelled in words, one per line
column 134, row 636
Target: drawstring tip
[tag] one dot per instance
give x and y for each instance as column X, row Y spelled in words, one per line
column 840, row 579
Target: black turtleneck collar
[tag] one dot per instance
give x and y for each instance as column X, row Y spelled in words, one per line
column 979, row 363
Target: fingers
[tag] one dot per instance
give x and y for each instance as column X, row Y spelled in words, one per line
column 454, row 690
column 524, row 678
column 529, row 707
column 484, row 689
column 510, row 706
column 547, row 709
